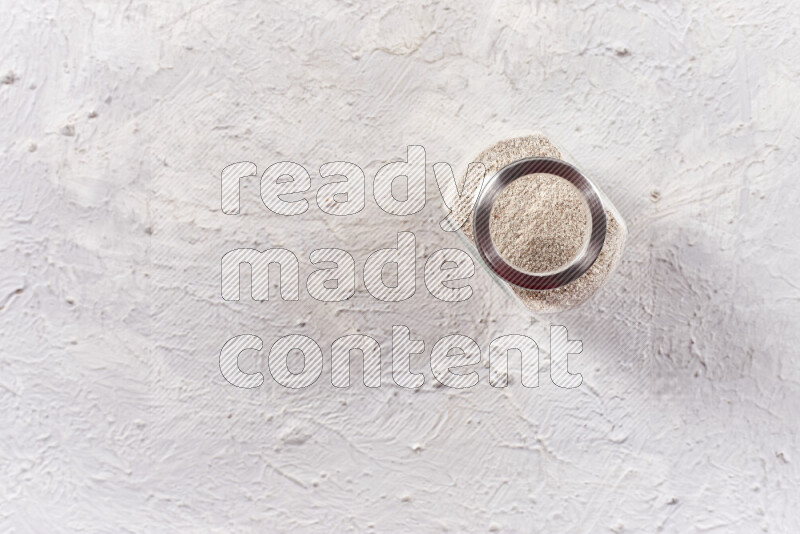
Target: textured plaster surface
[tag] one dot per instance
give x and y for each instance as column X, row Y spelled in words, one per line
column 117, row 120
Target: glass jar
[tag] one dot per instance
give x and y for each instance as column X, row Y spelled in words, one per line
column 542, row 229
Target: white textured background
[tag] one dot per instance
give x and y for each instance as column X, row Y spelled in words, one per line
column 118, row 118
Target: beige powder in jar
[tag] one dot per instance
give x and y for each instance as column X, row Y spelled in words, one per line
column 539, row 223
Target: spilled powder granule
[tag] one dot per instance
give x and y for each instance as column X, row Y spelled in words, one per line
column 540, row 223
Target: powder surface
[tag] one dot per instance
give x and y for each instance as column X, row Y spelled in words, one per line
column 518, row 252
column 539, row 223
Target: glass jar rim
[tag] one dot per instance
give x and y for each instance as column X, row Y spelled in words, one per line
column 483, row 239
